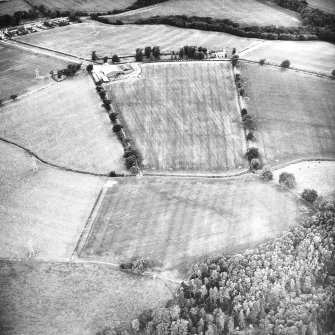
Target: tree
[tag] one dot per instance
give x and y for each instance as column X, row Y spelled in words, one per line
column 234, row 51
column 147, row 51
column 252, row 153
column 262, row 61
column 234, row 60
column 244, row 111
column 105, row 59
column 266, row 173
column 333, row 73
column 89, row 68
column 115, row 59
column 117, row 128
column 255, row 164
column 250, row 136
column 94, row 56
column 287, row 179
column 309, row 195
column 113, row 116
column 13, row 96
column 241, row 320
column 139, row 55
column 285, row 64
column 0, row 102
column 181, row 53
column 156, row 52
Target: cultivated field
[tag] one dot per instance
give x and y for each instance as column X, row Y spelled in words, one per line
column 244, row 12
column 325, row 5
column 84, row 5
column 17, row 70
column 65, row 125
column 174, row 221
column 315, row 56
column 11, row 6
column 183, row 116
column 294, row 113
column 67, row 298
column 41, row 206
column 123, row 40
column 319, row 175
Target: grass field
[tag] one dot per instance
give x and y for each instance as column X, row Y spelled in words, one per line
column 315, row 56
column 294, row 113
column 66, row 125
column 46, row 207
column 123, row 40
column 319, row 175
column 325, row 5
column 244, row 12
column 11, row 6
column 76, row 299
column 174, row 221
column 84, row 5
column 183, row 117
column 17, row 70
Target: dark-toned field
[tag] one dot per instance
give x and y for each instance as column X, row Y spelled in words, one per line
column 325, row 5
column 294, row 113
column 174, row 221
column 183, row 116
column 11, row 6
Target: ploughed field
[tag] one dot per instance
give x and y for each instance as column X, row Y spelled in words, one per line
column 107, row 40
column 177, row 221
column 325, row 5
column 11, row 6
column 65, row 125
column 294, row 113
column 183, row 117
column 251, row 12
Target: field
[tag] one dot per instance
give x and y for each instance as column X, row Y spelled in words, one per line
column 294, row 113
column 325, row 5
column 319, row 175
column 44, row 207
column 68, row 298
column 123, row 40
column 183, row 117
column 174, row 221
column 248, row 13
column 84, row 5
column 65, row 125
column 17, row 70
column 11, row 6
column 315, row 56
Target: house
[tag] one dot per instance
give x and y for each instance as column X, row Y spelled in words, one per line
column 110, row 70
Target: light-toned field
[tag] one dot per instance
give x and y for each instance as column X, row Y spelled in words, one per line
column 243, row 12
column 17, row 70
column 325, row 5
column 84, row 5
column 65, row 125
column 123, row 40
column 319, row 175
column 74, row 299
column 11, row 6
column 315, row 56
column 294, row 113
column 44, row 207
column 183, row 116
column 174, row 221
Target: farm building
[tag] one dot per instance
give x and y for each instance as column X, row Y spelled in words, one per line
column 103, row 72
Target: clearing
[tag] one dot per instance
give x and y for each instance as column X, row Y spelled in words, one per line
column 41, row 206
column 70, row 298
column 319, row 175
column 17, row 70
column 89, row 6
column 294, row 113
column 65, row 125
column 314, row 56
column 123, row 40
column 11, row 6
column 178, row 221
column 325, row 5
column 183, row 116
column 249, row 13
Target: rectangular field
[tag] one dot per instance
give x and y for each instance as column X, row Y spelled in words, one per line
column 177, row 221
column 294, row 113
column 65, row 124
column 251, row 12
column 183, row 116
column 123, row 40
column 11, row 6
column 325, row 5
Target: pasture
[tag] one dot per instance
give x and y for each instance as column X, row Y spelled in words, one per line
column 123, row 40
column 17, row 70
column 11, row 6
column 41, row 206
column 325, row 5
column 183, row 116
column 71, row 298
column 89, row 6
column 294, row 113
column 314, row 56
column 247, row 13
column 178, row 221
column 65, row 124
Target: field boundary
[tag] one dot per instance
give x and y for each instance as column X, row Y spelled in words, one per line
column 301, row 160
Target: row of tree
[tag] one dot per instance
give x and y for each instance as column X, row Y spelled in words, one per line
column 148, row 52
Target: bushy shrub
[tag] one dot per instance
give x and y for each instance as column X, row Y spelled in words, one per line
column 248, row 122
column 89, row 68
column 262, row 61
column 285, row 64
column 255, row 164
column 333, row 73
column 244, row 111
column 252, row 153
column 250, row 136
column 242, row 92
column 287, row 179
column 117, row 128
column 309, row 195
column 138, row 266
column 266, row 173
column 13, row 96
